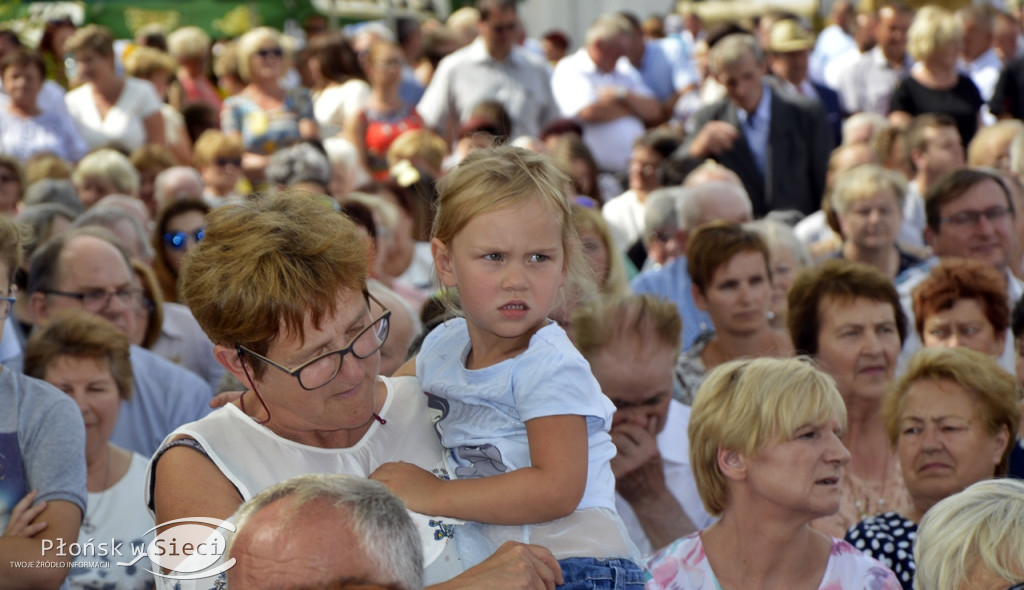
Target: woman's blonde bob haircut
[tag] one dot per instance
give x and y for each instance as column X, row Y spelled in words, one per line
column 864, row 182
column 507, row 176
column 981, row 527
column 933, row 28
column 745, row 405
column 249, row 43
column 992, row 390
column 268, row 264
column 188, row 43
column 589, row 219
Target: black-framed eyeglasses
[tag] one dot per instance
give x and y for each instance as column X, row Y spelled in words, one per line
column 99, row 299
column 965, row 218
column 177, row 240
column 317, row 372
column 6, row 303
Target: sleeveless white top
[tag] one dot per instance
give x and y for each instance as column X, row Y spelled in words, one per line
column 254, row 458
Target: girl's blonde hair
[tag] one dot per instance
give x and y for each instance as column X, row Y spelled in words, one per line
column 491, row 179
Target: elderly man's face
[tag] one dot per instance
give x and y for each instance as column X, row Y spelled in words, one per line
column 978, row 225
column 636, row 375
column 94, row 268
column 279, row 547
column 742, row 81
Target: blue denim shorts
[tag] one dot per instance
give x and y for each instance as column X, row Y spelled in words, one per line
column 588, row 573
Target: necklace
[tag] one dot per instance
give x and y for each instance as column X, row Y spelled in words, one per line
column 88, row 526
column 866, row 508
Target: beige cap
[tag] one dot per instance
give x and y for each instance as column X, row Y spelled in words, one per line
column 789, row 35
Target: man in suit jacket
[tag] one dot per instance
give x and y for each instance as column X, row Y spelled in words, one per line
column 777, row 144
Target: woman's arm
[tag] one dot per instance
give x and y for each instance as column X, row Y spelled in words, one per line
column 56, row 521
column 188, row 484
column 154, row 124
column 550, row 488
column 355, row 132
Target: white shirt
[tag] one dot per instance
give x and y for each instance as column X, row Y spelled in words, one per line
column 576, row 83
column 521, row 83
column 832, row 42
column 674, row 446
column 123, row 123
column 625, row 217
column 984, row 72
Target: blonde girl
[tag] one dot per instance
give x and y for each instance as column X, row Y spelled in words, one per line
column 522, row 419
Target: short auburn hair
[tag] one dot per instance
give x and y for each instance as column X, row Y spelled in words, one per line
column 715, row 244
column 958, row 278
column 266, row 265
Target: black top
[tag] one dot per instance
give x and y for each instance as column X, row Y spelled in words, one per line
column 961, row 102
column 1008, row 98
column 889, row 538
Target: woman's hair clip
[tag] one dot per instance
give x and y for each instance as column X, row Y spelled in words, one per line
column 405, row 174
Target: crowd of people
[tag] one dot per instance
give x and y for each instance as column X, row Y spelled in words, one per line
column 439, row 304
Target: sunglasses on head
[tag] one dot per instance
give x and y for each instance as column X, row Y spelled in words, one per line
column 276, row 52
column 178, row 239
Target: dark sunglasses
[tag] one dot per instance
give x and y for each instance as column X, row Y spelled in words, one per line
column 223, row 162
column 177, row 239
column 265, row 53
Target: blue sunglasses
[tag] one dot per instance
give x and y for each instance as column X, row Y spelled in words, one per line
column 177, row 239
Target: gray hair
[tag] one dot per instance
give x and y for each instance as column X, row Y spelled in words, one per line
column 876, row 122
column 174, row 175
column 108, row 216
column 775, row 233
column 982, row 526
column 57, row 192
column 379, row 519
column 108, row 164
column 662, row 209
column 692, row 199
column 39, row 219
column 299, row 163
column 731, row 49
column 607, row 26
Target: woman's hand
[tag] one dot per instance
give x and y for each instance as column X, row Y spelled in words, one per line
column 417, row 487
column 225, row 398
column 22, row 515
column 514, row 566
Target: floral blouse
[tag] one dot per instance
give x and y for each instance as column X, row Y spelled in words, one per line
column 683, row 565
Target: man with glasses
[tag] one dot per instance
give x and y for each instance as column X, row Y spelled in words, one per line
column 88, row 269
column 969, row 215
column 490, row 68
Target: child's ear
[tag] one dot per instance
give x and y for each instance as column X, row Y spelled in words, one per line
column 443, row 262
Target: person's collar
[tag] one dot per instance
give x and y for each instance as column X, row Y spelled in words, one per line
column 879, row 58
column 477, row 52
column 763, row 112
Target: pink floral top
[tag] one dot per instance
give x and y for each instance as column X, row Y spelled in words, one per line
column 684, row 566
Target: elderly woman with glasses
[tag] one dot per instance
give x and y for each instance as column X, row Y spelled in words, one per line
column 279, row 285
column 264, row 114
